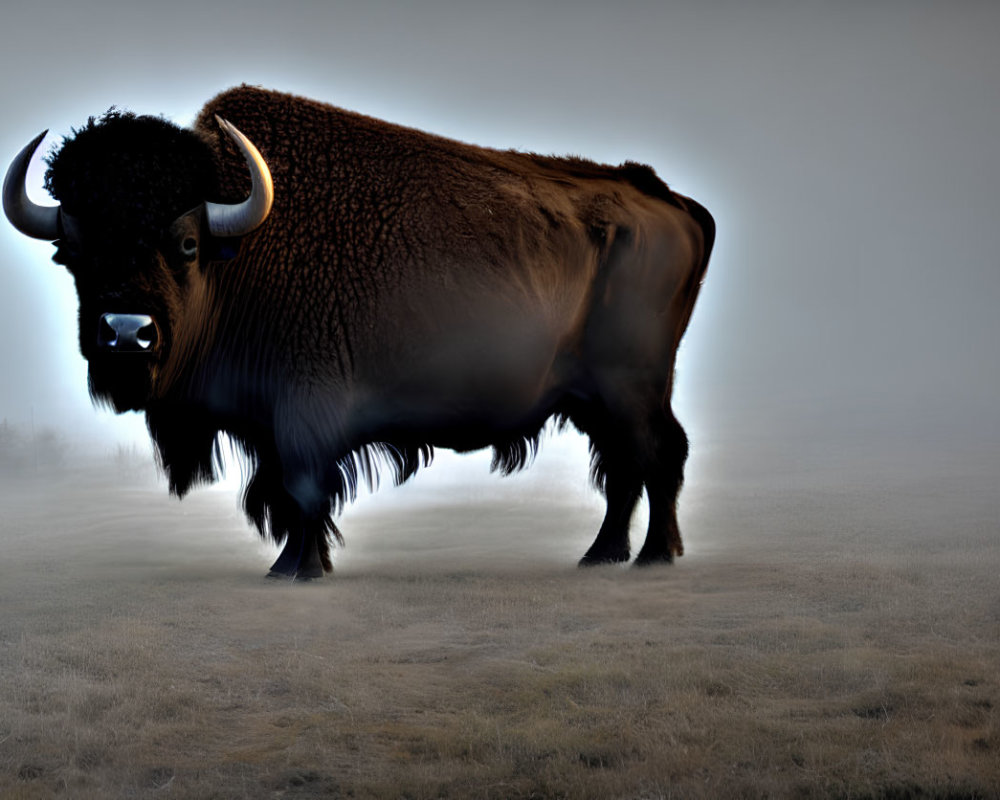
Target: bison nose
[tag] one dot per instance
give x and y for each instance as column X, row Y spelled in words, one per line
column 127, row 333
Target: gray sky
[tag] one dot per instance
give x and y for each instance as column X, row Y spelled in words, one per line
column 847, row 150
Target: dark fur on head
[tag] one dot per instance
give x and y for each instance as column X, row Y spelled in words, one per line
column 126, row 174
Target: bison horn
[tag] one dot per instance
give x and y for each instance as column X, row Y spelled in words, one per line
column 31, row 219
column 241, row 218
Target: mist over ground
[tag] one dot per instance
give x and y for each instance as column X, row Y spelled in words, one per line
column 821, row 637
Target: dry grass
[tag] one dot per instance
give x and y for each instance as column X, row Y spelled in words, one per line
column 826, row 643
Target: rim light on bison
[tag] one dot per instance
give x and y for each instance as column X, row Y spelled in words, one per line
column 341, row 295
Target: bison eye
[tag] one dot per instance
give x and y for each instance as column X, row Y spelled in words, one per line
column 189, row 247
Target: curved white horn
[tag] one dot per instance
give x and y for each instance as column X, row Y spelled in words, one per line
column 241, row 218
column 31, row 219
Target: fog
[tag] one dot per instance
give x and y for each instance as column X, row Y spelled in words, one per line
column 833, row 627
column 848, row 323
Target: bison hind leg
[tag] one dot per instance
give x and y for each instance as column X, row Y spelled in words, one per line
column 634, row 446
column 622, row 490
column 615, row 471
column 663, row 476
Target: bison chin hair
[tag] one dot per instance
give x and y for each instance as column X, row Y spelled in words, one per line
column 119, row 390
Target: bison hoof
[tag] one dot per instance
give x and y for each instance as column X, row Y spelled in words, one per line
column 600, row 560
column 649, row 561
column 298, row 577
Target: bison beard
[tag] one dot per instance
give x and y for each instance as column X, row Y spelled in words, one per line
column 405, row 292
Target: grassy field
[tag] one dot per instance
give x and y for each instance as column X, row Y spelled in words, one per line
column 822, row 638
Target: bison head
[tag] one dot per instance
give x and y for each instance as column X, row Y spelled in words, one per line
column 136, row 230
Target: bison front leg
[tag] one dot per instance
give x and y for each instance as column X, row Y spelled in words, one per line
column 305, row 554
column 308, row 528
column 303, row 530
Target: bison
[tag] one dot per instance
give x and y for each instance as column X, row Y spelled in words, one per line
column 341, row 295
